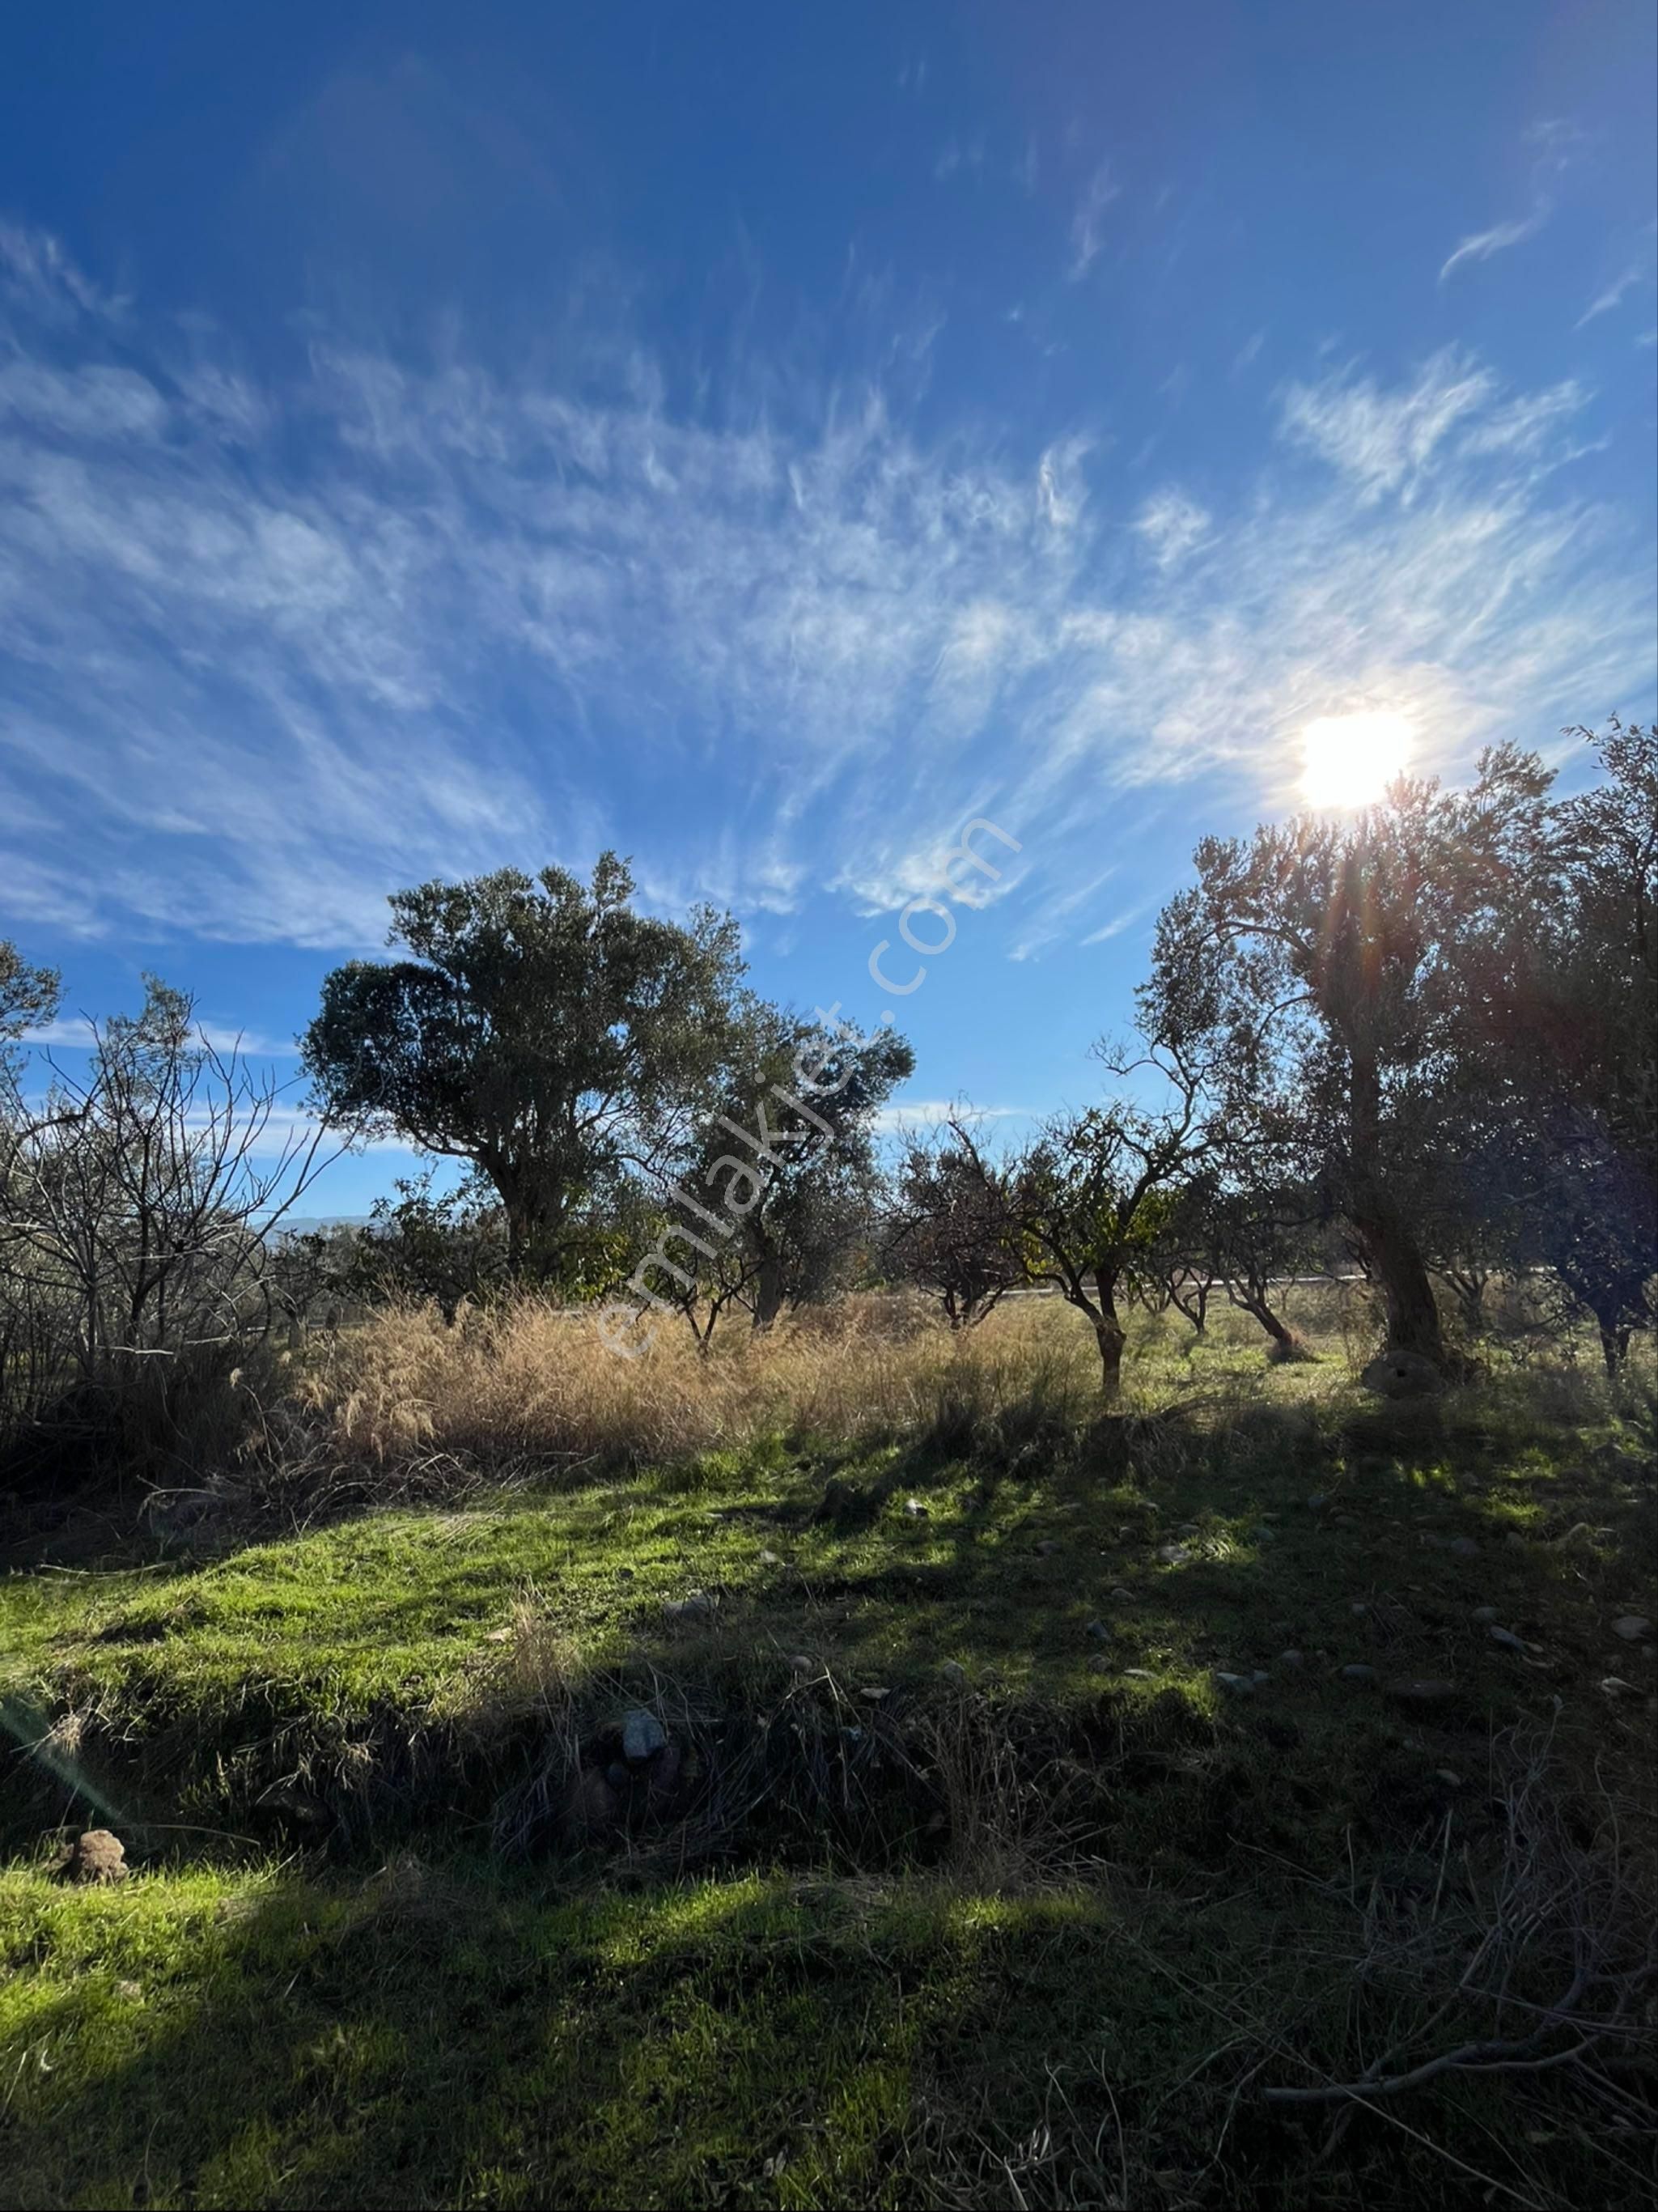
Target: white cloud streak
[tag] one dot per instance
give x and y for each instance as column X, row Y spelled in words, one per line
column 270, row 650
column 1087, row 224
column 1484, row 243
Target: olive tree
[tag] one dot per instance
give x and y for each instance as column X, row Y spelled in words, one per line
column 1323, row 965
column 541, row 1029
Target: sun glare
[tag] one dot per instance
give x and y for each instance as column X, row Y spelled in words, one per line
column 1349, row 760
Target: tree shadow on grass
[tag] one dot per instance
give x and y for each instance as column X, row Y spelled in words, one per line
column 424, row 2039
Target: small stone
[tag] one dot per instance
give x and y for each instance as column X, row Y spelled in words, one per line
column 770, row 1559
column 1358, row 1674
column 642, row 1737
column 1099, row 1662
column 953, row 1672
column 1098, row 1630
column 1260, row 1676
column 1173, row 1555
column 1047, row 1548
column 916, row 1511
column 95, row 1857
column 1358, row 1604
column 1139, row 1674
column 1633, row 1628
column 1263, row 1535
column 874, row 1696
column 1121, row 1597
column 498, row 1636
column 697, row 1606
column 1236, row 1685
column 1464, row 1547
column 1614, row 1685
column 1415, row 1690
column 1507, row 1638
column 1292, row 1659
column 1484, row 1613
column 1515, row 1541
column 1449, row 1777
column 1402, row 1375
column 592, row 1806
column 801, row 1663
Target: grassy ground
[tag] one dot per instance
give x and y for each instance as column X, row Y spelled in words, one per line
column 979, row 1886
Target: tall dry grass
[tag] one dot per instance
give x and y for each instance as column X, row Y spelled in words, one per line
column 532, row 1384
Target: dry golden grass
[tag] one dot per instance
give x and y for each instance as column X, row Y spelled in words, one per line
column 531, row 1382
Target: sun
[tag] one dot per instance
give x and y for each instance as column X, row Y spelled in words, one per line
column 1349, row 760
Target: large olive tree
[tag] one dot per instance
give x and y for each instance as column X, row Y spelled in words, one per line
column 1324, row 965
column 543, row 1029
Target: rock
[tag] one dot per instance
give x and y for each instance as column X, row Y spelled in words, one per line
column 592, row 1808
column 663, row 1776
column 770, row 1559
column 1484, row 1613
column 1449, row 1777
column 1047, row 1548
column 699, row 1606
column 1319, row 1498
column 1632, row 1628
column 1403, row 1374
column 1121, row 1597
column 498, row 1636
column 1464, row 1547
column 1260, row 1676
column 1359, row 1605
column 1099, row 1662
column 1416, row 1689
column 1515, row 1541
column 1358, row 1674
column 1507, row 1638
column 289, row 1802
column 873, row 1696
column 1291, row 1659
column 1138, row 1675
column 1173, row 1555
column 1263, row 1535
column 1614, row 1685
column 642, row 1737
column 953, row 1672
column 801, row 1663
column 916, row 1511
column 1236, row 1685
column 96, row 1856
column 1098, row 1630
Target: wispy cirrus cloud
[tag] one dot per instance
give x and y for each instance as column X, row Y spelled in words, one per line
column 1636, row 271
column 272, row 646
column 1088, row 222
column 1484, row 243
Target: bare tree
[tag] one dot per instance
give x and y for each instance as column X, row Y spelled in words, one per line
column 951, row 1231
column 135, row 1203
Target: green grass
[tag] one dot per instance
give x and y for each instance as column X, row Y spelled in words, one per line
column 1100, row 1901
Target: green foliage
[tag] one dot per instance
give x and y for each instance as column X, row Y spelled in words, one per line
column 541, row 1029
column 28, row 995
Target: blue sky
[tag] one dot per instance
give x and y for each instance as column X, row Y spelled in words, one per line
column 759, row 439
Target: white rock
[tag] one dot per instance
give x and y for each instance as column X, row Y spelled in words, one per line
column 1632, row 1628
column 642, row 1737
